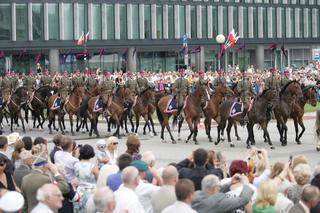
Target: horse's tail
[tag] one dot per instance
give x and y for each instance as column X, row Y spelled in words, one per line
column 83, row 107
column 159, row 114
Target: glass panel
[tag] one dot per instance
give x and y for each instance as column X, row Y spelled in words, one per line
column 292, row 22
column 53, row 21
column 245, row 22
column 265, row 22
column 68, row 21
column 110, row 18
column 159, row 21
column 147, row 21
column 96, row 20
column 170, row 22
column 193, row 22
column 235, row 19
column 301, row 22
column 182, row 19
column 214, row 21
column 83, row 20
column 310, row 23
column 274, row 22
column 255, row 22
column 225, row 20
column 123, row 21
column 37, row 21
column 204, row 21
column 135, row 21
column 5, row 22
column 283, row 22
column 22, row 22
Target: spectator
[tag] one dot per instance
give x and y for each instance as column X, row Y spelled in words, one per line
column 27, row 143
column 50, row 199
column 210, row 197
column 66, row 159
column 266, row 198
column 18, row 147
column 115, row 180
column 298, row 160
column 6, row 179
column 184, row 190
column 11, row 201
column 101, row 153
column 126, row 198
column 316, row 182
column 112, row 145
column 309, row 199
column 24, row 168
column 150, row 159
column 3, row 149
column 57, row 140
column 263, row 168
column 170, row 177
column 104, row 200
column 133, row 147
column 40, row 140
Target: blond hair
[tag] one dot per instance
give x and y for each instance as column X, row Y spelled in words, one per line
column 298, row 160
column 302, row 173
column 267, row 194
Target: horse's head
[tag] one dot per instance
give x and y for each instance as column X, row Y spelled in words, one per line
column 293, row 88
column 128, row 96
column 22, row 93
column 79, row 91
column 223, row 90
column 310, row 94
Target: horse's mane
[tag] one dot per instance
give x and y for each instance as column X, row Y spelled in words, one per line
column 42, row 87
column 286, row 86
column 19, row 88
column 263, row 93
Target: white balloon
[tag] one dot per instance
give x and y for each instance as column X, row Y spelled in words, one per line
column 220, row 39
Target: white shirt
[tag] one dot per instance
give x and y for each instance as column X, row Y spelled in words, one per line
column 112, row 158
column 68, row 162
column 126, row 199
column 305, row 208
column 144, row 192
column 178, row 207
column 41, row 208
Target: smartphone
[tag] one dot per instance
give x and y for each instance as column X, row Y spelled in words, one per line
column 290, row 160
column 259, row 152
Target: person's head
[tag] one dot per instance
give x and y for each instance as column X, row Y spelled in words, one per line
column 112, row 143
column 40, row 140
column 210, row 184
column 238, row 167
column 124, row 160
column 141, row 166
column 130, row 177
column 3, row 163
column 86, row 152
column 67, row 144
column 310, row 196
column 57, row 139
column 302, row 174
column 212, row 157
column 184, row 190
column 133, row 144
column 27, row 142
column 26, row 157
column 200, row 157
column 261, row 166
column 50, row 195
column 3, row 143
column 149, row 158
column 18, row 147
column 104, row 200
column 299, row 159
column 170, row 175
column 277, row 168
column 267, row 194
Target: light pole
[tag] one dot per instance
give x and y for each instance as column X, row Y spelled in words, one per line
column 220, row 39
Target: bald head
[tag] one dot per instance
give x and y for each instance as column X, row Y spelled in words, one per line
column 170, row 175
column 130, row 177
column 210, row 184
column 104, row 200
column 310, row 196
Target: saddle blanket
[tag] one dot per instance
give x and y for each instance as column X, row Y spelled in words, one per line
column 98, row 105
column 56, row 104
column 171, row 106
column 237, row 108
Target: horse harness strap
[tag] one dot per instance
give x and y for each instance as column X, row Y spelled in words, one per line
column 14, row 103
column 74, row 107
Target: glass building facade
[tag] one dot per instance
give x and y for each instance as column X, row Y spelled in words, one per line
column 142, row 34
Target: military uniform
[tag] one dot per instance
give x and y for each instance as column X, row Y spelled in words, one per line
column 284, row 81
column 29, row 82
column 91, row 83
column 14, row 82
column 107, row 86
column 46, row 80
column 272, row 83
column 132, row 85
column 217, row 81
column 64, row 87
column 244, row 88
column 6, row 88
column 142, row 83
column 181, row 90
column 78, row 81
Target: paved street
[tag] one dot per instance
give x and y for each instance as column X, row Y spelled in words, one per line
column 167, row 152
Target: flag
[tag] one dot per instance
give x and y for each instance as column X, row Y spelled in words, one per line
column 38, row 58
column 222, row 50
column 101, row 52
column 283, row 51
column 195, row 50
column 2, row 55
column 87, row 36
column 81, row 40
column 272, row 47
column 232, row 39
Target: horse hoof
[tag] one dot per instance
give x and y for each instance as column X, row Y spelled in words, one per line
column 238, row 138
column 155, row 134
column 283, row 143
column 63, row 133
column 210, row 140
column 272, row 147
column 298, row 142
column 196, row 143
column 163, row 141
column 73, row 134
column 253, row 143
column 24, row 131
column 174, row 142
column 318, row 149
column 222, row 138
column 179, row 139
column 231, row 145
column 50, row 133
column 216, row 143
column 90, row 134
column 83, row 132
column 187, row 141
column 248, row 146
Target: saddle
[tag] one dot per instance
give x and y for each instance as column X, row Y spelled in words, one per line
column 56, row 104
column 172, row 106
column 98, row 105
column 237, row 107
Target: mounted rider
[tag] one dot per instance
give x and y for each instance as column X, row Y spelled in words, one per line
column 46, row 79
column 78, row 80
column 107, row 86
column 65, row 85
column 245, row 89
column 285, row 79
column 272, row 82
column 6, row 87
column 181, row 90
column 143, row 82
column 132, row 84
column 30, row 82
column 219, row 79
column 91, row 81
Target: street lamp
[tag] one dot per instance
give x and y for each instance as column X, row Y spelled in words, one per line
column 220, row 39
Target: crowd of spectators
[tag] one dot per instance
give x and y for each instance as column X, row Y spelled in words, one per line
column 83, row 178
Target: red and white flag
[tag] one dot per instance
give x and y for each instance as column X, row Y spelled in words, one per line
column 87, row 36
column 232, row 39
column 81, row 40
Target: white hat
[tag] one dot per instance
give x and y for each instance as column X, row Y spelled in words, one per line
column 25, row 154
column 13, row 137
column 101, row 142
column 11, row 201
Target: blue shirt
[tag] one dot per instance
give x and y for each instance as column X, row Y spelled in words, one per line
column 114, row 181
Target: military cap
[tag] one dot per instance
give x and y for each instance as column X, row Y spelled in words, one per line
column 140, row 165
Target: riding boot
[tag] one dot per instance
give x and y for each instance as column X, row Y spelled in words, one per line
column 243, row 116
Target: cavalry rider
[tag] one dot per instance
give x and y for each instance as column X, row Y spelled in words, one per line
column 14, row 81
column 30, row 82
column 91, row 81
column 202, row 79
column 142, row 82
column 107, row 86
column 46, row 79
column 132, row 84
column 181, row 90
column 220, row 79
column 65, row 85
column 6, row 87
column 272, row 82
column 245, row 89
column 285, row 79
column 78, row 81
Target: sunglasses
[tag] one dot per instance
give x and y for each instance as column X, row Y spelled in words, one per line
column 3, row 163
column 115, row 143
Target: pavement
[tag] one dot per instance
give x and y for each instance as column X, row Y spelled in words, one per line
column 167, row 152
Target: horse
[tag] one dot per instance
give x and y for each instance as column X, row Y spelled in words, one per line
column 297, row 112
column 282, row 109
column 194, row 104
column 72, row 104
column 259, row 114
column 213, row 109
column 38, row 103
column 317, row 125
column 15, row 103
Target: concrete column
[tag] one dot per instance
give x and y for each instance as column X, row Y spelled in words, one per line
column 260, row 56
column 230, row 18
column 209, row 25
column 260, row 23
column 220, row 20
column 129, row 20
column 269, row 22
column 188, row 21
column 61, row 21
column 132, row 60
column 200, row 59
column 30, row 33
column 279, row 22
column 288, row 23
column 250, row 22
column 176, row 22
column 199, row 21
column 117, row 20
column 54, row 60
column 165, row 21
column 154, row 21
column 45, row 24
column 104, row 21
column 240, row 17
column 306, row 22
column 76, row 21
column 141, row 20
column 14, row 22
column 315, row 15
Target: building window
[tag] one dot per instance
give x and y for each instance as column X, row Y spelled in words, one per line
column 22, row 22
column 68, row 21
column 301, row 22
column 110, row 18
column 245, row 22
column 5, row 22
column 37, row 21
column 170, row 22
column 193, row 22
column 123, row 21
column 204, row 21
column 147, row 22
column 235, row 19
column 214, row 21
column 82, row 19
column 135, row 21
column 225, row 20
column 53, row 21
column 265, row 22
column 159, row 21
column 182, row 20
column 255, row 22
column 96, row 22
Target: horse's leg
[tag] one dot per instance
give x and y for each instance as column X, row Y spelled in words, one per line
column 166, row 123
column 189, row 122
column 152, row 125
column 180, row 121
column 296, row 128
column 250, row 134
column 116, row 119
column 195, row 131
column 11, row 120
column 265, row 131
column 300, row 121
column 280, row 130
column 50, row 122
column 22, row 122
column 221, row 127
column 71, row 124
column 235, row 126
column 137, row 123
column 207, row 127
column 60, row 121
column 96, row 131
column 229, row 126
column 43, row 118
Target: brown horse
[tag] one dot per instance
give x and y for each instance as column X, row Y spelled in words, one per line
column 194, row 105
column 72, row 104
column 318, row 129
column 15, row 103
column 212, row 111
column 297, row 112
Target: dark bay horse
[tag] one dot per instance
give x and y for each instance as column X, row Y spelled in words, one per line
column 15, row 103
column 297, row 112
column 194, row 104
column 38, row 103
